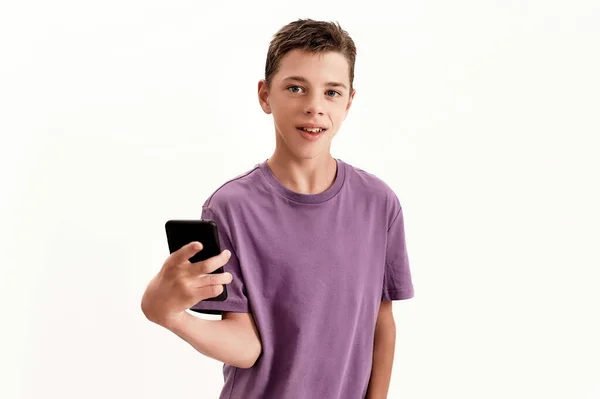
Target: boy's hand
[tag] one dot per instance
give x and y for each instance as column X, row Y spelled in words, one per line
column 181, row 284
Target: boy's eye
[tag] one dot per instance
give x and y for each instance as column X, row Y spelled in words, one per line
column 328, row 91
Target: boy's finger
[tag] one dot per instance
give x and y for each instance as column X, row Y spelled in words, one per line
column 211, row 264
column 184, row 253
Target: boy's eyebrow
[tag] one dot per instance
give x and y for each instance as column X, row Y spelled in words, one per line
column 304, row 80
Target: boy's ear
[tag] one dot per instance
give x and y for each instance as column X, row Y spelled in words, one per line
column 263, row 96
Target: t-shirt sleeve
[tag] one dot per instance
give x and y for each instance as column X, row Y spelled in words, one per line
column 237, row 299
column 397, row 281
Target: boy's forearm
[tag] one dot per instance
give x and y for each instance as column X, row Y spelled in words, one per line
column 223, row 340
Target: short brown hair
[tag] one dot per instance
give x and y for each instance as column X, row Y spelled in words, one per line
column 311, row 36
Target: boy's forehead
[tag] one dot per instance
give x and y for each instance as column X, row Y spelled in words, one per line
column 314, row 67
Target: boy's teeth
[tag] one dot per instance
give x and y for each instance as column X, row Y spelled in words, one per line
column 315, row 130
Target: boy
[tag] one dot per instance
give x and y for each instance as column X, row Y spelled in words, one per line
column 317, row 247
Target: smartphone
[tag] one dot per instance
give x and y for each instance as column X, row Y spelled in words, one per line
column 182, row 232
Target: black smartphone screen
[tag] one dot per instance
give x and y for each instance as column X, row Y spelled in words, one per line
column 182, row 232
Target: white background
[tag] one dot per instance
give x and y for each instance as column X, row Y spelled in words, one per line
column 483, row 116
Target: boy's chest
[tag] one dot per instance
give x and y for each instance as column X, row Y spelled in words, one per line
column 317, row 258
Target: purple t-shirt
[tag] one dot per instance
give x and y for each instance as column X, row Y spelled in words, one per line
column 312, row 269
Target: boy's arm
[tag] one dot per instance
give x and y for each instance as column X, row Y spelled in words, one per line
column 383, row 353
column 233, row 340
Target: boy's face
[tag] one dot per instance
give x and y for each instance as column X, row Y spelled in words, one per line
column 312, row 97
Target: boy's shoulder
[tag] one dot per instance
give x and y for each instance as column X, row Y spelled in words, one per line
column 370, row 183
column 232, row 190
column 238, row 189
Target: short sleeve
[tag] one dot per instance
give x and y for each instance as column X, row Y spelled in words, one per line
column 237, row 299
column 397, row 281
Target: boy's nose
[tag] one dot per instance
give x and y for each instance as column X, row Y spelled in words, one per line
column 314, row 105
column 313, row 109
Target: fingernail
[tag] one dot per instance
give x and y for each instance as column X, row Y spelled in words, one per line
column 227, row 253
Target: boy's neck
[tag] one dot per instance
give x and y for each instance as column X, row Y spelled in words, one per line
column 304, row 176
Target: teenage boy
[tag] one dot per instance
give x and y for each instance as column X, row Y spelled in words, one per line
column 313, row 247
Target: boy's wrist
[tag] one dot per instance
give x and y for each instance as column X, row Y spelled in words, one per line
column 174, row 322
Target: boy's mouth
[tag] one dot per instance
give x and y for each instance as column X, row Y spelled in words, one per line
column 316, row 130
